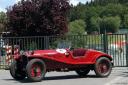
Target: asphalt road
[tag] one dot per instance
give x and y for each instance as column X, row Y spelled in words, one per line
column 117, row 77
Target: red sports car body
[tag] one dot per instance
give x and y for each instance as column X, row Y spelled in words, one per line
column 35, row 64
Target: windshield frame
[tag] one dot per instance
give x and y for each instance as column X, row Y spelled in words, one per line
column 64, row 45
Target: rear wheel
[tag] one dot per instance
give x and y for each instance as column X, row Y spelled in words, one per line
column 17, row 72
column 36, row 70
column 83, row 72
column 103, row 67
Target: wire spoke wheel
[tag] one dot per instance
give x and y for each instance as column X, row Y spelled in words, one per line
column 103, row 67
column 35, row 70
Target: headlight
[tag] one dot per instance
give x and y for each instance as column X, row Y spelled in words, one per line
column 67, row 54
column 31, row 52
column 26, row 52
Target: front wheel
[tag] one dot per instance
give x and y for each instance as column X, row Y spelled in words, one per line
column 103, row 67
column 17, row 72
column 35, row 70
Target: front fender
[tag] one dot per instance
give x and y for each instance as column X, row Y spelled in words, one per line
column 97, row 56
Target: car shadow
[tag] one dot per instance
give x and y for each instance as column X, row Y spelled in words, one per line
column 67, row 77
column 125, row 74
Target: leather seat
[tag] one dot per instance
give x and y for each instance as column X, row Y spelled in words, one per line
column 79, row 52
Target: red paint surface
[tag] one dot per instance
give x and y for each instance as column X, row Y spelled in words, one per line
column 89, row 56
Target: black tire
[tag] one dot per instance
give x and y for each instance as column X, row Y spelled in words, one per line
column 103, row 67
column 32, row 69
column 83, row 72
column 17, row 72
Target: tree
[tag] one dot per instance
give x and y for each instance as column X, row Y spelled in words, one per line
column 77, row 27
column 38, row 17
column 126, row 20
column 109, row 10
column 99, row 8
column 110, row 24
column 77, row 12
column 3, row 22
column 95, row 24
column 92, row 12
column 106, row 2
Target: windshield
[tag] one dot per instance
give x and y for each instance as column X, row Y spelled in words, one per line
column 64, row 45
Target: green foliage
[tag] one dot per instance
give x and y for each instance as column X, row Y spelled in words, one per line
column 2, row 17
column 95, row 24
column 77, row 27
column 93, row 11
column 110, row 10
column 126, row 20
column 77, row 12
column 106, row 2
column 3, row 21
column 32, row 46
column 110, row 24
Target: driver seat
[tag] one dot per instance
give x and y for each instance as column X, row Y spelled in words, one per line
column 79, row 52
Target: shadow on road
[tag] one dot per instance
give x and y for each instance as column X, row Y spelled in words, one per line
column 124, row 74
column 68, row 77
column 56, row 78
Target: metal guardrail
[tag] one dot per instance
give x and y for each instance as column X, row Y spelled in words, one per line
column 114, row 44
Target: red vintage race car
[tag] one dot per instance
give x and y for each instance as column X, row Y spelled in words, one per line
column 34, row 64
